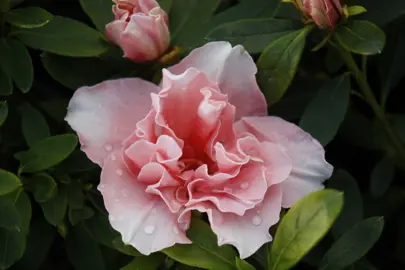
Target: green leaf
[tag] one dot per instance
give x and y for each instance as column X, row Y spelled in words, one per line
column 12, row 245
column 381, row 177
column 39, row 242
column 150, row 262
column 23, row 205
column 243, row 265
column 99, row 228
column 82, row 251
column 204, row 251
column 76, row 72
column 123, row 248
column 8, row 182
column 353, row 245
column 77, row 162
column 75, row 195
column 188, row 29
column 64, row 36
column 253, row 34
column 47, row 153
column 166, row 5
column 10, row 217
column 6, row 85
column 17, row 63
column 99, row 11
column 355, row 10
column 325, row 113
column 78, row 215
column 55, row 208
column 308, row 220
column 361, row 37
column 30, row 17
column 3, row 112
column 43, row 186
column 279, row 62
column 33, row 125
column 352, row 211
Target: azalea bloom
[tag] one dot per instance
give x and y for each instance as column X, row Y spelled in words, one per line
column 201, row 141
column 140, row 28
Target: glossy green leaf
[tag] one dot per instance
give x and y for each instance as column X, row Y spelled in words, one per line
column 55, row 208
column 64, row 36
column 353, row 207
column 23, row 205
column 243, row 265
column 279, row 62
column 361, row 37
column 204, row 251
column 123, row 248
column 6, row 84
column 12, row 246
column 253, row 34
column 166, row 5
column 99, row 11
column 83, row 252
column 75, row 195
column 355, row 10
column 39, row 243
column 150, row 262
column 78, row 215
column 76, row 72
column 47, row 153
column 188, row 29
column 381, row 177
column 325, row 113
column 29, row 17
column 17, row 63
column 8, row 182
column 33, row 125
column 43, row 187
column 308, row 220
column 10, row 217
column 99, row 228
column 353, row 245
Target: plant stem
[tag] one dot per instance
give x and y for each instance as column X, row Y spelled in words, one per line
column 369, row 97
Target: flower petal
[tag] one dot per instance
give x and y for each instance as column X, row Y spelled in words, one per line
column 234, row 72
column 144, row 220
column 105, row 114
column 309, row 169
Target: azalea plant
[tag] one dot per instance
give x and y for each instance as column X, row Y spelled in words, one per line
column 202, row 134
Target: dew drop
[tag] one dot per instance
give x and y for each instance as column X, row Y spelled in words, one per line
column 256, row 220
column 149, row 229
column 119, row 172
column 117, row 200
column 108, row 147
column 175, row 230
column 244, row 185
column 125, row 193
column 113, row 157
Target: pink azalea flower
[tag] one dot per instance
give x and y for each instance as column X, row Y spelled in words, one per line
column 200, row 141
column 325, row 13
column 140, row 28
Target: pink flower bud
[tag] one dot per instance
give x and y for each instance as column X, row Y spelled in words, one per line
column 140, row 28
column 325, row 13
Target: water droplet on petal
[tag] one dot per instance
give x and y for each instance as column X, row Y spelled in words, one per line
column 149, row 229
column 125, row 193
column 119, row 172
column 108, row 147
column 113, row 157
column 244, row 185
column 117, row 200
column 256, row 220
column 175, row 230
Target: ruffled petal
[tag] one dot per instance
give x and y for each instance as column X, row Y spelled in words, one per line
column 309, row 167
column 106, row 114
column 144, row 220
column 233, row 70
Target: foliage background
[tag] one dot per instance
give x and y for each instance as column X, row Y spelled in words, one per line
column 52, row 216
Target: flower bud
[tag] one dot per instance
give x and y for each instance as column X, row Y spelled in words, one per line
column 325, row 13
column 140, row 28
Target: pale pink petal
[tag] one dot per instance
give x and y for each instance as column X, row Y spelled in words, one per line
column 248, row 232
column 309, row 167
column 144, row 220
column 234, row 72
column 114, row 29
column 105, row 114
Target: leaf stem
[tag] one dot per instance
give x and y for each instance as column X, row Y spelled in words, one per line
column 369, row 97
